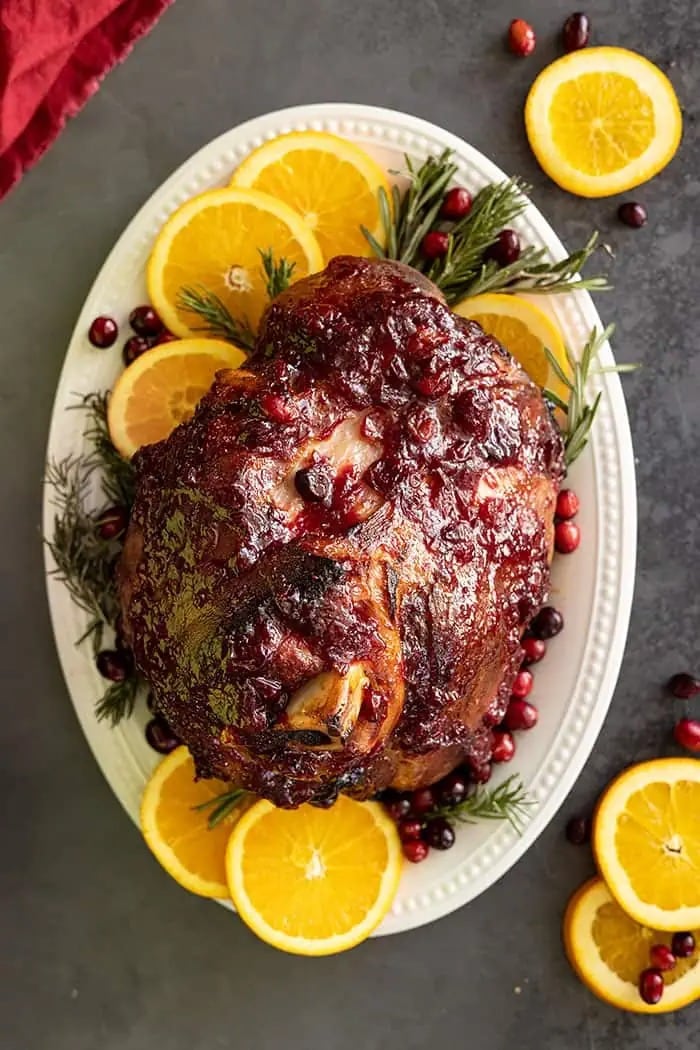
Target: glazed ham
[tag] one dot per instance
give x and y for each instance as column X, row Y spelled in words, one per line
column 329, row 568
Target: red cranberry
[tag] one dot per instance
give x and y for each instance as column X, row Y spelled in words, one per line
column 567, row 536
column 453, row 789
column 112, row 522
column 520, row 715
column 145, row 321
column 134, row 347
column 576, row 31
column 160, row 736
column 439, row 834
column 505, row 249
column 578, row 831
column 481, row 774
column 632, row 214
column 683, row 686
column 113, row 665
column 522, row 685
column 567, row 504
column 503, row 746
column 435, row 244
column 165, row 337
column 687, row 734
column 662, row 958
column 548, row 622
column 456, row 203
column 423, row 800
column 683, row 945
column 415, row 850
column 533, row 650
column 398, row 807
column 103, row 332
column 277, row 408
column 410, row 828
column 521, row 37
column 651, row 986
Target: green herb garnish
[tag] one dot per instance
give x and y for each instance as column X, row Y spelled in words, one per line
column 223, row 805
column 508, row 801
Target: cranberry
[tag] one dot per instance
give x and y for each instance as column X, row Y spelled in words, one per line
column 632, row 214
column 398, row 807
column 520, row 715
column 165, row 337
column 576, row 31
column 410, row 828
column 503, row 746
column 453, row 789
column 567, row 504
column 533, row 650
column 578, row 830
column 415, row 850
column 505, row 249
column 651, row 985
column 145, row 321
column 112, row 522
column 687, row 734
column 522, row 685
column 435, row 244
column 456, row 203
column 277, row 408
column 113, row 665
column 548, row 622
column 521, row 37
column 103, row 332
column 481, row 774
column 683, row 945
column 423, row 800
column 439, row 834
column 662, row 958
column 160, row 736
column 567, row 536
column 314, row 484
column 134, row 347
column 683, row 686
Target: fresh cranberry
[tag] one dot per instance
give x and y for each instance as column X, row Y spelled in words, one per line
column 520, row 714
column 567, row 504
column 410, row 828
column 439, row 834
column 145, row 321
column 683, row 945
column 103, row 332
column 567, row 536
column 453, row 789
column 481, row 774
column 423, row 800
column 134, row 347
column 277, row 408
column 435, row 244
column 521, row 37
column 687, row 734
column 415, row 850
column 503, row 748
column 165, row 337
column 113, row 665
column 533, row 650
column 576, row 31
column 548, row 622
column 398, row 807
column 661, row 957
column 505, row 249
column 578, row 830
column 456, row 203
column 632, row 214
column 651, row 986
column 683, row 686
column 112, row 522
column 160, row 736
column 522, row 685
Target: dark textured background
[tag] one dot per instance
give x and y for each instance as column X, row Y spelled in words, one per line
column 100, row 949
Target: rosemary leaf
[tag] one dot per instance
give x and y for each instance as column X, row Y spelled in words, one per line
column 278, row 275
column 116, row 473
column 215, row 316
column 508, row 801
column 223, row 804
column 118, row 701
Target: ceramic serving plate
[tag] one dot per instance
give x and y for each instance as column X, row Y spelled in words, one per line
column 593, row 587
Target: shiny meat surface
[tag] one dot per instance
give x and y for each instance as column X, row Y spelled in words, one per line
column 328, row 569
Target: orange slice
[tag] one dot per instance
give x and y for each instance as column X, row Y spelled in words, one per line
column 161, row 389
column 314, row 881
column 608, row 950
column 330, row 182
column 178, row 834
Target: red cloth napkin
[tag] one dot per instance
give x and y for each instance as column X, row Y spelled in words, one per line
column 53, row 55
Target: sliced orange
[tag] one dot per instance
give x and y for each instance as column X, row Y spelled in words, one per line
column 329, row 181
column 608, row 950
column 162, row 387
column 214, row 241
column 178, row 833
column 314, row 881
column 602, row 120
column 646, row 839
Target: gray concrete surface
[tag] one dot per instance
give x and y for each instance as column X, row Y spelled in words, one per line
column 99, row 949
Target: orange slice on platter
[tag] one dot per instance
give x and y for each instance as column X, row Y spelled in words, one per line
column 161, row 389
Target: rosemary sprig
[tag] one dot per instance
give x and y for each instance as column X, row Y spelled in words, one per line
column 223, row 805
column 215, row 316
column 508, row 801
column 119, row 700
column 278, row 275
column 116, row 473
